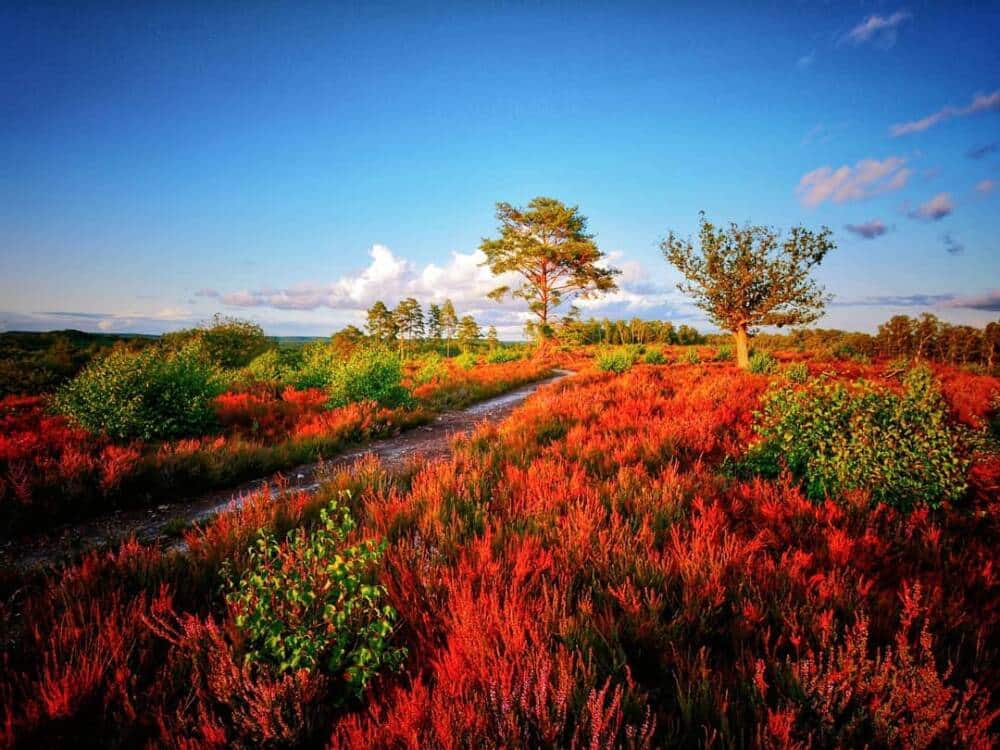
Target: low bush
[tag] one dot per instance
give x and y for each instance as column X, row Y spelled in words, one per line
column 320, row 362
column 724, row 354
column 430, row 369
column 466, row 360
column 273, row 366
column 763, row 363
column 690, row 356
column 368, row 374
column 901, row 449
column 150, row 394
column 310, row 603
column 503, row 354
column 655, row 357
column 617, row 360
column 850, row 353
column 797, row 372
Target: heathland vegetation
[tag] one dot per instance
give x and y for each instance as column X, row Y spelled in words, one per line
column 696, row 540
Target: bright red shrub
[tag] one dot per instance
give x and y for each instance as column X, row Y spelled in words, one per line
column 583, row 575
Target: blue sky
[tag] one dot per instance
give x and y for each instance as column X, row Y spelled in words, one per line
column 293, row 162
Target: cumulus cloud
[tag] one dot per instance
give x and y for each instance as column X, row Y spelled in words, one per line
column 935, row 209
column 869, row 230
column 988, row 301
column 985, row 187
column 846, row 183
column 209, row 293
column 387, row 277
column 464, row 280
column 881, row 30
column 980, row 103
column 951, row 245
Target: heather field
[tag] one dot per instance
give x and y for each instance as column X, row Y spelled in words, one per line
column 615, row 565
column 499, row 376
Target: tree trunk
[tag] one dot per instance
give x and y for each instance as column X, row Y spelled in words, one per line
column 742, row 348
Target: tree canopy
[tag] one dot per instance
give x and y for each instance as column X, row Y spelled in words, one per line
column 548, row 246
column 749, row 276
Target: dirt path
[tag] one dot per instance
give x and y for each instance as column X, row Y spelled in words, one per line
column 155, row 524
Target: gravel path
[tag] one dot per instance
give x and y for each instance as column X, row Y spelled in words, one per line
column 154, row 524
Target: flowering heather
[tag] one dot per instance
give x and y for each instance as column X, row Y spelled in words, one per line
column 52, row 470
column 584, row 574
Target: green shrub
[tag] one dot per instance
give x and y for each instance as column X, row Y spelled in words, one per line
column 797, row 372
column 848, row 352
column 690, row 356
column 368, row 374
column 724, row 354
column 273, row 366
column 617, row 360
column 230, row 343
column 320, row 362
column 902, row 449
column 431, row 368
column 763, row 363
column 655, row 357
column 310, row 603
column 503, row 354
column 466, row 360
column 149, row 394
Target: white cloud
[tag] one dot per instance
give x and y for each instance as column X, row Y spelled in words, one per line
column 465, row 281
column 879, row 29
column 980, row 103
column 986, row 186
column 866, row 178
column 934, row 209
column 388, row 278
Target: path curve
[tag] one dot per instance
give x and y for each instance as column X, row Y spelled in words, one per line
column 431, row 441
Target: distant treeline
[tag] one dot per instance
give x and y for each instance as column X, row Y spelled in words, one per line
column 39, row 362
column 925, row 337
column 32, row 363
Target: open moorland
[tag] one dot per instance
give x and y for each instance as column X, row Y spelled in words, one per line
column 659, row 550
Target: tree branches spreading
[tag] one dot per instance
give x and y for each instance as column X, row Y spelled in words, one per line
column 548, row 246
column 745, row 277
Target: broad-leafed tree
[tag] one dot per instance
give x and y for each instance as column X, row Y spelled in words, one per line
column 548, row 246
column 751, row 276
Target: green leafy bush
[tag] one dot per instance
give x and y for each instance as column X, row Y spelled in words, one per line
column 466, row 360
column 320, row 362
column 691, row 356
column 368, row 374
column 310, row 603
column 273, row 366
column 724, row 354
column 432, row 368
column 655, row 357
column 763, row 363
column 797, row 372
column 617, row 360
column 149, row 394
column 902, row 449
column 503, row 354
column 848, row 352
column 230, row 343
